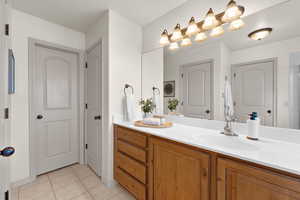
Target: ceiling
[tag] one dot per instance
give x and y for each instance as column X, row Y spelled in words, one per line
column 80, row 14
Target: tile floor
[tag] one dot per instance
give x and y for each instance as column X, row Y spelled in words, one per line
column 75, row 182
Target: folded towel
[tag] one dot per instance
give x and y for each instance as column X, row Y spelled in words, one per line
column 130, row 109
column 152, row 121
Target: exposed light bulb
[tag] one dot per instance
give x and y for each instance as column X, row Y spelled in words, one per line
column 217, row 31
column 173, row 46
column 176, row 35
column 232, row 12
column 186, row 42
column 200, row 37
column 164, row 39
column 210, row 20
column 236, row 25
column 192, row 29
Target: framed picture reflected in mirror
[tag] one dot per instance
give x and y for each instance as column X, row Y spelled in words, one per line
column 169, row 88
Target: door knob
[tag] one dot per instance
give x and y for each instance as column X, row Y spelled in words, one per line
column 269, row 111
column 39, row 117
column 7, row 152
column 207, row 111
column 97, row 117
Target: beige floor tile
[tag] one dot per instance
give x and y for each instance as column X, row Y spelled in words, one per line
column 91, row 181
column 84, row 196
column 123, row 196
column 104, row 193
column 61, row 181
column 60, row 172
column 82, row 171
column 70, row 191
column 35, row 191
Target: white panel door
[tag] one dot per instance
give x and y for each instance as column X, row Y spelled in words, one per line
column 56, row 108
column 253, row 91
column 4, row 103
column 93, row 114
column 197, row 90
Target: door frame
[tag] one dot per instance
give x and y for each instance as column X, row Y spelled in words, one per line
column 80, row 84
column 212, row 80
column 275, row 63
column 99, row 167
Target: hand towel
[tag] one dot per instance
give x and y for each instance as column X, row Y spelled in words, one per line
column 228, row 102
column 130, row 108
column 156, row 102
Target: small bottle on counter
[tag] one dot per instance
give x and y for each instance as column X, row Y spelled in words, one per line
column 253, row 126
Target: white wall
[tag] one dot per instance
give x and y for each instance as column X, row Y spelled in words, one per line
column 280, row 50
column 125, row 47
column 174, row 60
column 25, row 26
column 152, row 74
column 122, row 47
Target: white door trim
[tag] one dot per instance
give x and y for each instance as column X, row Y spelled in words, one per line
column 211, row 61
column 274, row 61
column 32, row 139
column 99, row 42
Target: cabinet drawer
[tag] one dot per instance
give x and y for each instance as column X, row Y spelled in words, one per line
column 132, row 137
column 135, row 152
column 133, row 186
column 131, row 166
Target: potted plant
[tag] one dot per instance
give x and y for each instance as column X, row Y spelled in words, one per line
column 172, row 104
column 147, row 107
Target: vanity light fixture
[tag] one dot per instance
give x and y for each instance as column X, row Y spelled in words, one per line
column 200, row 37
column 164, row 39
column 233, row 12
column 186, row 42
column 260, row 33
column 218, row 31
column 193, row 28
column 173, row 46
column 176, row 35
column 236, row 24
column 212, row 22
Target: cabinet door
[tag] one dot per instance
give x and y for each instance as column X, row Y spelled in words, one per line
column 238, row 181
column 177, row 172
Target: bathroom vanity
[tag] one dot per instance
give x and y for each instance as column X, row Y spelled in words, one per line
column 191, row 163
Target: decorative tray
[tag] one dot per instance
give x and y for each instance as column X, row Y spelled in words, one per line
column 141, row 124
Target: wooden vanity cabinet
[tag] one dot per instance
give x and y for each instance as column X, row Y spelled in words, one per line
column 239, row 181
column 130, row 161
column 153, row 168
column 177, row 172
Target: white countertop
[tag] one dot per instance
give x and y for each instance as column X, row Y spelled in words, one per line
column 268, row 152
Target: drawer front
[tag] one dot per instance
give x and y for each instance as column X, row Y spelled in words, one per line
column 132, row 167
column 132, row 137
column 135, row 152
column 133, row 186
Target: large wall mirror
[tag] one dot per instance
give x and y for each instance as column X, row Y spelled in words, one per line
column 264, row 75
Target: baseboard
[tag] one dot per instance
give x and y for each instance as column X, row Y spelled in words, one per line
column 22, row 182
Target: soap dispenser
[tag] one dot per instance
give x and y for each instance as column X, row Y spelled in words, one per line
column 253, row 126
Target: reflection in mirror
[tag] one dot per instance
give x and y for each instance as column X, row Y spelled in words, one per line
column 264, row 74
